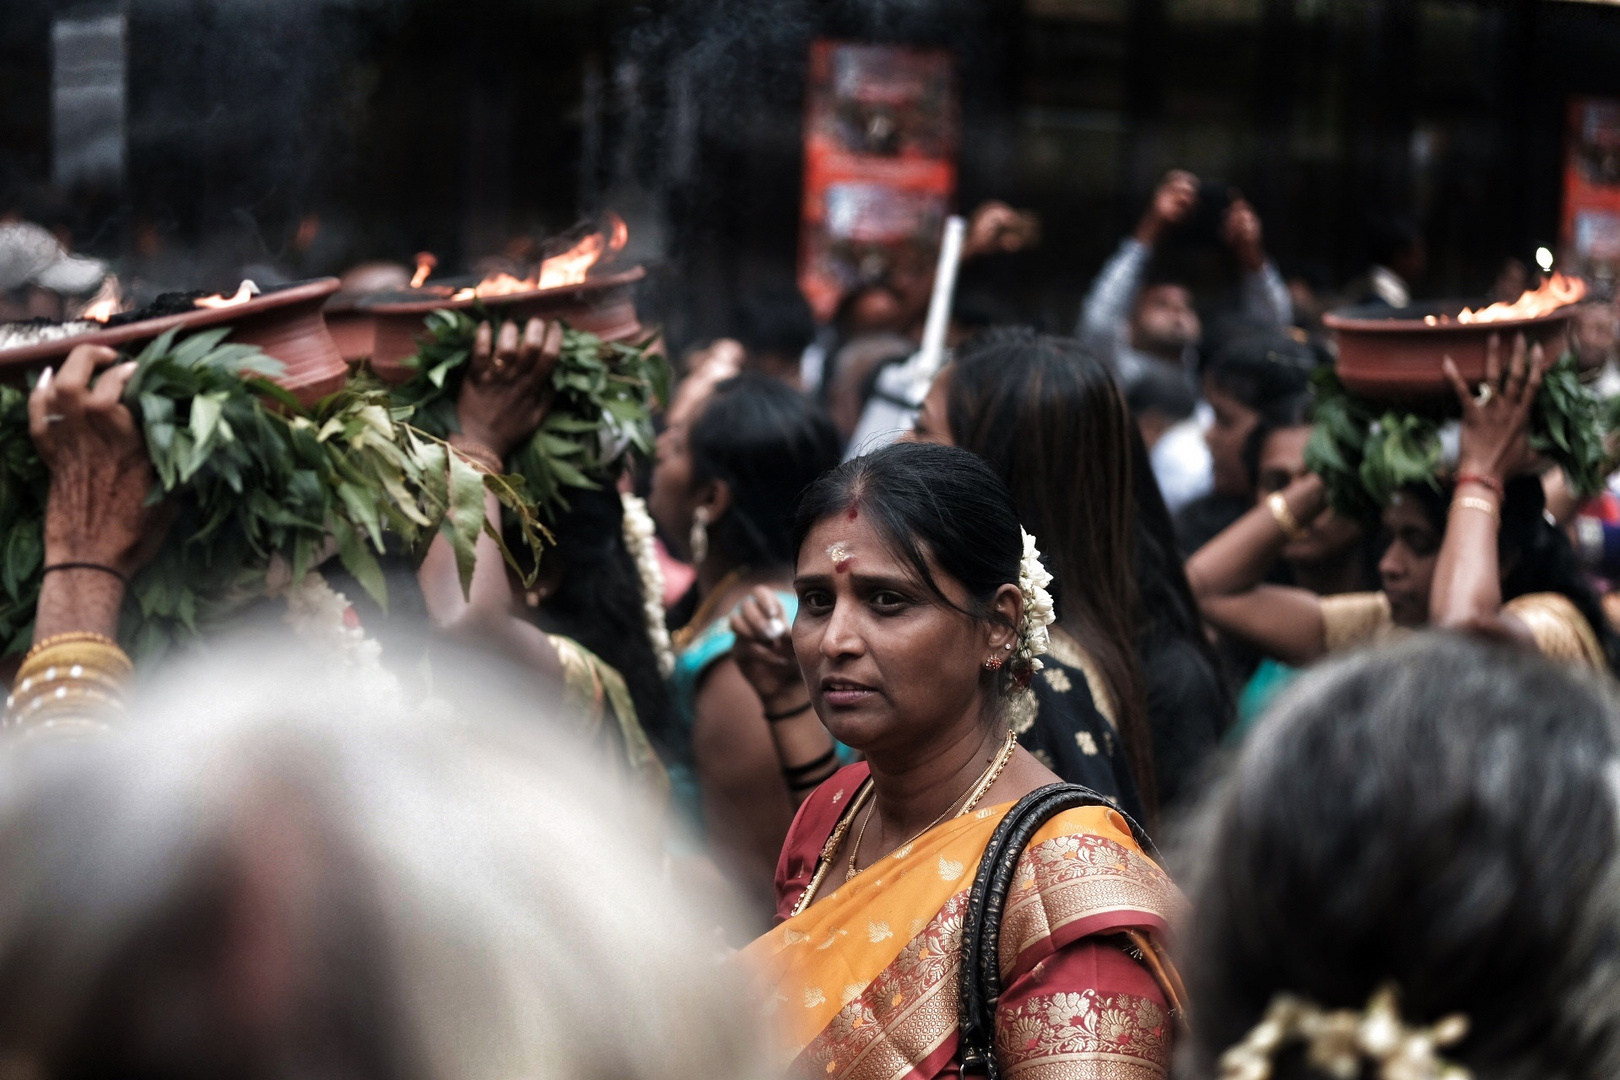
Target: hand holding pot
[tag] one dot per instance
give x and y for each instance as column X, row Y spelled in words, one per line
column 98, row 509
column 508, row 386
column 1495, row 437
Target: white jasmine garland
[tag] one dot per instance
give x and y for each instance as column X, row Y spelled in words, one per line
column 1033, row 579
column 638, row 537
column 320, row 615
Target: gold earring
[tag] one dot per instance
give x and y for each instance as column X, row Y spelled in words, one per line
column 994, row 663
column 697, row 541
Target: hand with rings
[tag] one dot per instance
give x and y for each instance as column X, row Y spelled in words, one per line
column 764, row 650
column 507, row 388
column 1495, row 437
column 98, row 508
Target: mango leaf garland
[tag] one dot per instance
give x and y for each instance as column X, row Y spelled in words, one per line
column 252, row 476
column 1364, row 453
column 605, row 392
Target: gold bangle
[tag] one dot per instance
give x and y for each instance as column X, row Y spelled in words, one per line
column 69, row 638
column 1284, row 517
column 1474, row 502
column 76, row 660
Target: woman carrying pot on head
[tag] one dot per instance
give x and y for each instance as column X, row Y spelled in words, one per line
column 922, row 612
column 728, row 474
column 584, row 621
column 1473, row 553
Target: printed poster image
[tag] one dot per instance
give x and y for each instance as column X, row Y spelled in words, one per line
column 882, row 130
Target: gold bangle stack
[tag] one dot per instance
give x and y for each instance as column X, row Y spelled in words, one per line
column 1474, row 502
column 1284, row 517
column 69, row 682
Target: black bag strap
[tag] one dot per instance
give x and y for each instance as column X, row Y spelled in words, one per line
column 980, row 987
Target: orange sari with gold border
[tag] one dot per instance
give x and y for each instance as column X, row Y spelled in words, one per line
column 863, row 984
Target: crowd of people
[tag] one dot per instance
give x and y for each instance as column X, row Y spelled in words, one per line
column 1073, row 732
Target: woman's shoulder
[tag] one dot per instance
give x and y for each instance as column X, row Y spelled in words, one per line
column 1352, row 619
column 812, row 824
column 1560, row 631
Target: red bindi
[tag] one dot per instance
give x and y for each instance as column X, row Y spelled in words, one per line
column 843, row 567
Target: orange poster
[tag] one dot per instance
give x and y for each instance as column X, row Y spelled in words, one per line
column 881, row 136
column 1591, row 223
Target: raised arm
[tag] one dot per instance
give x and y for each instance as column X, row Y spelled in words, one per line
column 503, row 399
column 1227, row 577
column 764, row 654
column 100, row 528
column 1494, row 445
column 1106, row 314
column 1265, row 296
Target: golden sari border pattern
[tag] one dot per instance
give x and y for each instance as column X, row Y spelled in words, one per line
column 910, row 1009
column 1073, row 877
column 1085, row 1036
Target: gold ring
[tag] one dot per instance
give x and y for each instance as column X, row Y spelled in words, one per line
column 498, row 363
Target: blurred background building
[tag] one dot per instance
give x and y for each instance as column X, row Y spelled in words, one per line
column 188, row 139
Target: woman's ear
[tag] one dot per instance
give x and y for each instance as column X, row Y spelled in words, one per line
column 716, row 499
column 1008, row 605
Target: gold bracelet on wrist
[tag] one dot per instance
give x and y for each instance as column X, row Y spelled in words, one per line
column 1474, row 502
column 1284, row 517
column 69, row 638
column 74, row 676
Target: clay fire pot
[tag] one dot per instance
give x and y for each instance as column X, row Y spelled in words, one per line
column 286, row 323
column 605, row 306
column 354, row 327
column 1397, row 356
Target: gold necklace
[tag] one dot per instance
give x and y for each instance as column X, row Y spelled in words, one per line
column 704, row 614
column 986, row 780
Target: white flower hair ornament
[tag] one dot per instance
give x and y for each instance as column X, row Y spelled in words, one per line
column 639, row 533
column 1033, row 639
column 1340, row 1041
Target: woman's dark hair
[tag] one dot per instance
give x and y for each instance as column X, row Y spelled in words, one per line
column 597, row 599
column 1260, row 368
column 767, row 442
column 1293, row 410
column 1051, row 422
column 1440, row 816
column 928, row 501
column 1535, row 556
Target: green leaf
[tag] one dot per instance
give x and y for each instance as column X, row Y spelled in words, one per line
column 358, row 560
column 466, row 518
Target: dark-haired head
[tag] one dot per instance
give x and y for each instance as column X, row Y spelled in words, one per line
column 593, row 594
column 924, row 543
column 1052, row 423
column 1534, row 556
column 1247, row 376
column 1441, row 816
column 741, row 464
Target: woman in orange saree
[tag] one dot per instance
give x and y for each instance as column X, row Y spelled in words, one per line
column 921, row 611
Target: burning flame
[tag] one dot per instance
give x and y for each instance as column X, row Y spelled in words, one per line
column 107, row 302
column 569, row 268
column 425, row 262
column 245, row 292
column 1553, row 293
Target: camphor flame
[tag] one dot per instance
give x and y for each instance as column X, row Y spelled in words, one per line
column 425, row 262
column 1553, row 293
column 569, row 268
column 245, row 292
column 108, row 301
